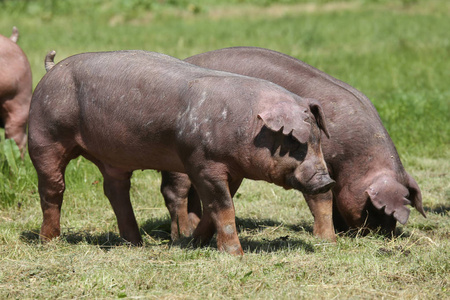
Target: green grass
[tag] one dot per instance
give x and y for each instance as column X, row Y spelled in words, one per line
column 396, row 52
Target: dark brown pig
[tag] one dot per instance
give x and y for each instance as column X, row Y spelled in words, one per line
column 372, row 187
column 130, row 110
column 15, row 89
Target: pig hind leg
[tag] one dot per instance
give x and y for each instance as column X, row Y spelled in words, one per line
column 50, row 163
column 116, row 186
column 176, row 189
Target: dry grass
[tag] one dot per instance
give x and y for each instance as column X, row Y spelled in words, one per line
column 282, row 259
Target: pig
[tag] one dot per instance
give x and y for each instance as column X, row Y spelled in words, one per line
column 372, row 188
column 15, row 89
column 129, row 110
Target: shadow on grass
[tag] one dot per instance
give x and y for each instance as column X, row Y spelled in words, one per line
column 252, row 224
column 355, row 233
column 440, row 210
column 159, row 231
column 105, row 240
column 275, row 245
column 282, row 242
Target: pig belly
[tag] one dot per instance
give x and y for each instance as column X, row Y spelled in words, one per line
column 135, row 156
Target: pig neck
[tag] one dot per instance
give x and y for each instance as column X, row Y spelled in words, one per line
column 260, row 167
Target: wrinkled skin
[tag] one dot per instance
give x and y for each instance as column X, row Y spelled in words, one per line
column 15, row 89
column 129, row 110
column 372, row 187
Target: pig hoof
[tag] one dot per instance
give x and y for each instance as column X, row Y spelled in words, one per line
column 135, row 241
column 47, row 235
column 234, row 249
column 329, row 238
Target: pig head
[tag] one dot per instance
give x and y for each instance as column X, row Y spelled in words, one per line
column 377, row 202
column 372, row 188
column 15, row 89
column 129, row 110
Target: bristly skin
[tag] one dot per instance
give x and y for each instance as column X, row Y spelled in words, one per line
column 372, row 187
column 130, row 110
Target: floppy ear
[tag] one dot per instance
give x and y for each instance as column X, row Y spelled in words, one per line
column 387, row 192
column 318, row 113
column 415, row 195
column 290, row 117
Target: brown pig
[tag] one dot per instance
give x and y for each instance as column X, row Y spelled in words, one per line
column 130, row 110
column 372, row 188
column 15, row 89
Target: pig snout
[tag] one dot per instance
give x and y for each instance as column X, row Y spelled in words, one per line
column 312, row 179
column 319, row 183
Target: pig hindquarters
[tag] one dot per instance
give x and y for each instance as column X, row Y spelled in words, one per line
column 15, row 89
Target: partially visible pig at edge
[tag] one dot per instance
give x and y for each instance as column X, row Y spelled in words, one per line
column 15, row 89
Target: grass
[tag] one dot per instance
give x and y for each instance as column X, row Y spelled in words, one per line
column 396, row 52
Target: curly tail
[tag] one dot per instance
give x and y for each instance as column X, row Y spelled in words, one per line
column 49, row 63
column 15, row 34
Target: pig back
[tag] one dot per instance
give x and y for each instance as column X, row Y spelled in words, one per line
column 146, row 104
column 353, row 122
column 114, row 104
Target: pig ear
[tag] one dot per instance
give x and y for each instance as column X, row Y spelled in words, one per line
column 415, row 195
column 386, row 192
column 318, row 113
column 290, row 117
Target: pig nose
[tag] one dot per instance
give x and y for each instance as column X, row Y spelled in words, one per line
column 324, row 184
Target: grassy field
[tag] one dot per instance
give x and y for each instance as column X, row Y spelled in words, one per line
column 396, row 52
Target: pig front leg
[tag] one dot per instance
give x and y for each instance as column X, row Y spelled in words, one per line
column 218, row 212
column 176, row 188
column 116, row 186
column 321, row 206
